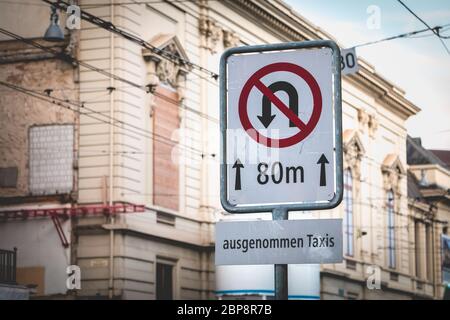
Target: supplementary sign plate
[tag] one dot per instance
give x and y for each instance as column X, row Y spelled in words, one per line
column 279, row 242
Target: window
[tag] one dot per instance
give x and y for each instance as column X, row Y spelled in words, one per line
column 429, row 251
column 348, row 214
column 166, row 169
column 391, row 228
column 393, row 276
column 417, row 251
column 165, row 218
column 350, row 264
column 352, row 295
column 51, row 159
column 164, row 281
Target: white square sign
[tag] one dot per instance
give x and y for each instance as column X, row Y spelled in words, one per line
column 281, row 138
column 349, row 61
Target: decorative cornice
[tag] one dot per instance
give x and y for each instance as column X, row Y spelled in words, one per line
column 164, row 70
column 353, row 152
column 392, row 170
column 393, row 163
column 211, row 31
column 367, row 121
column 255, row 11
column 385, row 92
column 230, row 39
column 352, row 140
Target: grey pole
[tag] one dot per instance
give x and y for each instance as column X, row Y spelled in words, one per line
column 281, row 270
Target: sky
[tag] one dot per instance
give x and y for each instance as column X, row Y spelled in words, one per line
column 420, row 66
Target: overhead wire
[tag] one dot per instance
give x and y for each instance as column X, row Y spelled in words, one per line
column 104, row 4
column 398, row 36
column 436, row 32
column 66, row 57
column 113, row 121
column 109, row 26
column 127, row 3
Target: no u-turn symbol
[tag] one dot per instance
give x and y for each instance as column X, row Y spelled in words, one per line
column 305, row 126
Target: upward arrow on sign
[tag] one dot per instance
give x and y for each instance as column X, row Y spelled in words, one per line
column 323, row 178
column 238, row 165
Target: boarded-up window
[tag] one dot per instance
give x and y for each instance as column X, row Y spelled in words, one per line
column 33, row 277
column 8, row 177
column 51, row 159
column 165, row 164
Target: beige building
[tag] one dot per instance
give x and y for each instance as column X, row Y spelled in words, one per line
column 154, row 148
column 428, row 201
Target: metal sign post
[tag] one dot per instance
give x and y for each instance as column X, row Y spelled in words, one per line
column 281, row 270
column 281, row 127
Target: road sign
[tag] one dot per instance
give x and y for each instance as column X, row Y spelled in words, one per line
column 349, row 61
column 280, row 242
column 281, row 127
column 269, row 98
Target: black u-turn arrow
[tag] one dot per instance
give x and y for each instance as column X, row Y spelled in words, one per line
column 266, row 117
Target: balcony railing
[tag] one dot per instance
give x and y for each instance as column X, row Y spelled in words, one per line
column 8, row 263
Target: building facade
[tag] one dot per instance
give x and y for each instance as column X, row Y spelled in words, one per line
column 37, row 161
column 143, row 184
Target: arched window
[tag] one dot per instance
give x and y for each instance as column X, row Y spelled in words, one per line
column 348, row 214
column 391, row 228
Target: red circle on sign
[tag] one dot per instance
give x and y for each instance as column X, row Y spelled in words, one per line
column 254, row 80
